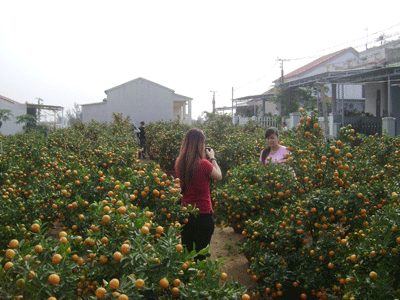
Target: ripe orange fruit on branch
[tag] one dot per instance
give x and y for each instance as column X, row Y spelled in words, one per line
column 125, row 249
column 38, row 249
column 164, row 283
column 176, row 282
column 101, row 293
column 114, row 283
column 56, row 259
column 54, row 279
column 139, row 283
column 8, row 265
column 117, row 256
column 13, row 244
column 144, row 230
column 35, row 227
column 106, row 219
column 10, row 253
column 373, row 275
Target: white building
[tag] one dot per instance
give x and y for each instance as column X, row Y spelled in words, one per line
column 17, row 109
column 352, row 96
column 141, row 100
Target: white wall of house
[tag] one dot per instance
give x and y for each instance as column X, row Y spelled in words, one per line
column 270, row 107
column 10, row 127
column 371, row 94
column 141, row 100
column 338, row 61
column 350, row 91
column 95, row 111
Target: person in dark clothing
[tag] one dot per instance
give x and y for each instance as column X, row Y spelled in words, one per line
column 142, row 140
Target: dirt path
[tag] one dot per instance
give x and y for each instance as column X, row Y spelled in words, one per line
column 223, row 244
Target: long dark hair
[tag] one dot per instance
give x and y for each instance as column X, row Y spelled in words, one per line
column 266, row 151
column 192, row 151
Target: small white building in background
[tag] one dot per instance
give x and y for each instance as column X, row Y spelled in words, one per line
column 17, row 109
column 141, row 100
column 49, row 115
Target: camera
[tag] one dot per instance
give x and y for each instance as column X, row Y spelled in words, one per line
column 209, row 149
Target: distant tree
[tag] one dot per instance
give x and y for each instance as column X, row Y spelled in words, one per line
column 205, row 115
column 74, row 115
column 29, row 120
column 5, row 116
column 290, row 99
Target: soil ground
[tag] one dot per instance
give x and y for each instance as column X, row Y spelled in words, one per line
column 224, row 245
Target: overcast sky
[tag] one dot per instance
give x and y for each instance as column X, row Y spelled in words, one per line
column 67, row 52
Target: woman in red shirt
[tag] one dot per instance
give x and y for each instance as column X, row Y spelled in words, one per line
column 195, row 172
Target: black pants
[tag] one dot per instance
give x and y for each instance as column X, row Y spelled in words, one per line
column 142, row 144
column 197, row 233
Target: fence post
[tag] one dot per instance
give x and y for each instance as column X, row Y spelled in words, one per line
column 389, row 125
column 335, row 121
column 294, row 119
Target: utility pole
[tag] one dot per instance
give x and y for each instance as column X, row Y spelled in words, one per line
column 366, row 44
column 213, row 101
column 282, row 80
column 282, row 60
column 232, row 103
column 321, row 86
column 38, row 113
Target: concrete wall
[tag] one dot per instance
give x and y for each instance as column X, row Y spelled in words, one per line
column 270, row 107
column 9, row 127
column 95, row 111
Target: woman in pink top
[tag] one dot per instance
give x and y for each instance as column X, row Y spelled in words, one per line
column 195, row 167
column 274, row 152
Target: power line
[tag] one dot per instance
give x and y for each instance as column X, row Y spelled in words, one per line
column 316, row 55
column 321, row 50
column 256, row 79
column 338, row 45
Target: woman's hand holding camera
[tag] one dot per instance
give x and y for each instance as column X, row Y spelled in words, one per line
column 216, row 171
column 210, row 155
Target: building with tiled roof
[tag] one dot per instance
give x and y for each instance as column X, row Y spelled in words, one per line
column 8, row 100
column 338, row 58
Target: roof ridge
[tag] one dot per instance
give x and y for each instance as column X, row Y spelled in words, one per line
column 139, row 78
column 315, row 63
column 9, row 100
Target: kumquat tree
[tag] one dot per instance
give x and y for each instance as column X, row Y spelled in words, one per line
column 324, row 224
column 119, row 218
